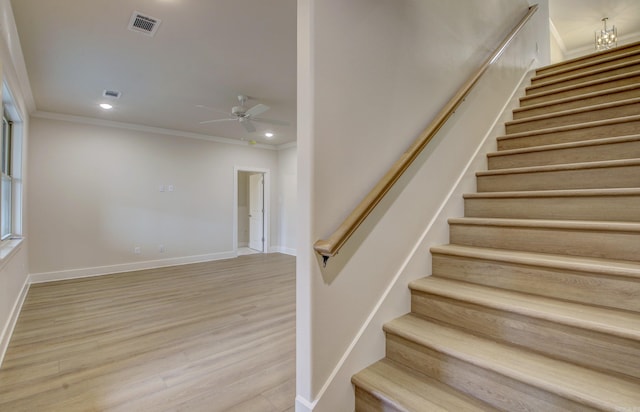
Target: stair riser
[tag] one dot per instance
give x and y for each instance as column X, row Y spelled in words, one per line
column 545, row 78
column 584, row 347
column 589, row 288
column 587, row 59
column 625, row 128
column 590, row 243
column 576, row 118
column 388, row 386
column 536, row 98
column 595, row 153
column 577, row 104
column 365, row 402
column 497, row 390
column 545, row 87
column 596, row 178
column 611, row 208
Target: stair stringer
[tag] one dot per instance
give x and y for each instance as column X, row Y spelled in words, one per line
column 368, row 345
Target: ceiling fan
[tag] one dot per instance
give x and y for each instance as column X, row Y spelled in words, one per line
column 245, row 116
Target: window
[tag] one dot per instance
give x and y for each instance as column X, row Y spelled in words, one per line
column 6, row 182
column 10, row 170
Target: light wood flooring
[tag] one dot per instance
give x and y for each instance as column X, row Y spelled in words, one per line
column 216, row 336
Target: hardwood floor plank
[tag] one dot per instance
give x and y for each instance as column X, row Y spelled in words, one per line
column 194, row 337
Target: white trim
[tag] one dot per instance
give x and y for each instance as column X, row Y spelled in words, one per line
column 303, row 405
column 7, row 332
column 147, row 129
column 8, row 248
column 126, row 267
column 266, row 246
column 283, row 250
column 421, row 239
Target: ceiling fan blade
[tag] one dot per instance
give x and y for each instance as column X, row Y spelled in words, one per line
column 257, row 110
column 202, row 106
column 270, row 121
column 216, row 120
column 248, row 126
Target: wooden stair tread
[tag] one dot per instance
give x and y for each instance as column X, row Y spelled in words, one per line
column 568, row 112
column 555, row 193
column 570, row 127
column 622, row 268
column 581, row 75
column 555, row 224
column 525, row 109
column 588, row 59
column 406, row 389
column 562, row 67
column 533, row 305
column 567, row 380
column 610, row 321
column 569, row 145
column 563, row 166
column 588, row 83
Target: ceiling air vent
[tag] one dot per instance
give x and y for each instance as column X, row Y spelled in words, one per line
column 143, row 24
column 111, row 93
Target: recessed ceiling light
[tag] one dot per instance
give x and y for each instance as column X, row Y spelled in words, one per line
column 268, row 134
column 106, row 106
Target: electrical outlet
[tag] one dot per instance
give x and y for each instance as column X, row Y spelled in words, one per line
column 137, row 250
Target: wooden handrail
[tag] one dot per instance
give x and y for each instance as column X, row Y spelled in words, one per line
column 331, row 246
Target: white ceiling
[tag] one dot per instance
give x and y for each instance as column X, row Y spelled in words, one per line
column 205, row 52
column 577, row 20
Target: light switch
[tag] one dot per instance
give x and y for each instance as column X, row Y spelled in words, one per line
column 161, row 188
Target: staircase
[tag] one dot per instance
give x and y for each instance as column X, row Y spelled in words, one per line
column 535, row 303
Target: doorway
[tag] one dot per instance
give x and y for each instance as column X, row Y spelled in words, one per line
column 256, row 212
column 251, row 211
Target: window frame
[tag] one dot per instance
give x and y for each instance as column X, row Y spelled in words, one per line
column 6, row 177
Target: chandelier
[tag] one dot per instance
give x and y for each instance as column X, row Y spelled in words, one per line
column 606, row 38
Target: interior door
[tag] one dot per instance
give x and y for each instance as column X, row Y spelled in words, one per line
column 256, row 212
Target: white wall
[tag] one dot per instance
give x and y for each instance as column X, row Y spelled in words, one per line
column 95, row 196
column 556, row 45
column 371, row 76
column 287, row 199
column 13, row 266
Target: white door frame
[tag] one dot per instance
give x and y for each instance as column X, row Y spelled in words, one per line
column 266, row 245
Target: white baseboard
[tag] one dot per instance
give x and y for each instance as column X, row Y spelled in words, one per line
column 282, row 249
column 13, row 319
column 126, row 267
column 303, row 405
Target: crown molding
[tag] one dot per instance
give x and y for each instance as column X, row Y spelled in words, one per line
column 147, row 129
